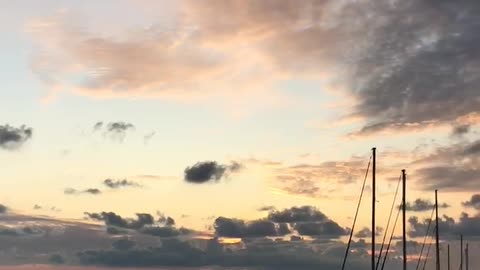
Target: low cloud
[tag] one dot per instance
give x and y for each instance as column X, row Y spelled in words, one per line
column 474, row 202
column 116, row 184
column 112, row 219
column 208, row 171
column 3, row 209
column 467, row 225
column 421, row 205
column 12, row 138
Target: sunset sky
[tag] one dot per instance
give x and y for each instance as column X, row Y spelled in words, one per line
column 235, row 111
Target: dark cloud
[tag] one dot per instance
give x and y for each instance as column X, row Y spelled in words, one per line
column 98, row 126
column 417, row 71
column 3, row 209
column 366, row 232
column 207, row 171
column 112, row 219
column 123, row 244
column 266, row 208
column 297, row 214
column 12, row 138
column 327, row 229
column 92, row 191
column 467, row 225
column 115, row 130
column 228, row 227
column 452, row 168
column 115, row 184
column 119, row 127
column 165, row 220
column 460, row 130
column 421, row 205
column 37, row 207
column 474, row 202
column 165, row 231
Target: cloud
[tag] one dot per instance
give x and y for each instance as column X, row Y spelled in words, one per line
column 452, row 168
column 114, row 130
column 92, row 191
column 228, row 227
column 366, row 232
column 3, row 209
column 460, row 130
column 207, row 171
column 319, row 179
column 474, row 202
column 467, row 225
column 421, row 205
column 112, row 219
column 297, row 214
column 116, row 184
column 12, row 138
column 266, row 208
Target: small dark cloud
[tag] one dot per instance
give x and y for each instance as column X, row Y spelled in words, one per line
column 92, row 191
column 474, row 202
column 207, row 171
column 119, row 127
column 12, row 138
column 115, row 184
column 267, row 208
column 98, row 126
column 421, row 205
column 37, row 207
column 460, row 130
column 3, row 209
column 115, row 130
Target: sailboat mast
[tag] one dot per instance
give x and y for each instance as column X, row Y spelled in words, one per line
column 448, row 256
column 461, row 252
column 437, row 244
column 466, row 257
column 373, row 205
column 404, row 218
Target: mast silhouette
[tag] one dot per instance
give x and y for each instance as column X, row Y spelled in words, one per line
column 404, row 225
column 466, row 257
column 448, row 256
column 373, row 205
column 461, row 251
column 437, row 244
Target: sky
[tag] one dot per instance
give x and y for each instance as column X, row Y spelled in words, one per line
column 219, row 130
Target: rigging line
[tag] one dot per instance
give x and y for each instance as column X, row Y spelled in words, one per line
column 428, row 252
column 356, row 214
column 425, row 239
column 388, row 222
column 391, row 237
